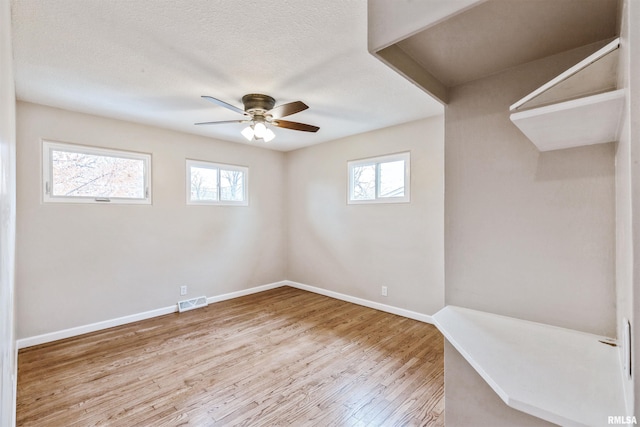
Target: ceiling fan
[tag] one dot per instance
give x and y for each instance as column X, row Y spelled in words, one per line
column 260, row 111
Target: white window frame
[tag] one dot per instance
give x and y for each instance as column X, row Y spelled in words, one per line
column 218, row 167
column 47, row 173
column 377, row 161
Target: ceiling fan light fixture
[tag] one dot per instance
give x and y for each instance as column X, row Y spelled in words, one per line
column 259, row 130
column 268, row 135
column 260, row 111
column 248, row 133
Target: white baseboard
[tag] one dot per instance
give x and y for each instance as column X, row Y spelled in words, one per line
column 245, row 292
column 79, row 330
column 355, row 300
column 92, row 327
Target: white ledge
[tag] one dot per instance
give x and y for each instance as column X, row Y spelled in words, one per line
column 563, row 376
column 580, row 66
column 590, row 120
column 578, row 107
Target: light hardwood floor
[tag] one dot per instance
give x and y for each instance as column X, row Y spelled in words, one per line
column 280, row 357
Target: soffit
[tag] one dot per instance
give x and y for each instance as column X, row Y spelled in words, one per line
column 500, row 34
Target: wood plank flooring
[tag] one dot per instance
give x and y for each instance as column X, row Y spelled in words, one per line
column 276, row 358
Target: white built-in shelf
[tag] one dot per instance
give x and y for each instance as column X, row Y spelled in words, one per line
column 581, row 106
column 560, row 375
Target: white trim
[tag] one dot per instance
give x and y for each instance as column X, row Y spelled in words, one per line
column 93, row 327
column 49, row 146
column 376, row 162
column 245, row 292
column 360, row 301
column 218, row 167
column 97, row 326
column 14, row 380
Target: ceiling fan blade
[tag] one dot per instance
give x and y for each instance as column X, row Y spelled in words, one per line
column 287, row 109
column 295, row 125
column 222, row 122
column 224, row 104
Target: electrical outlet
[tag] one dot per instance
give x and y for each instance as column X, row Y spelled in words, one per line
column 384, row 291
column 183, row 290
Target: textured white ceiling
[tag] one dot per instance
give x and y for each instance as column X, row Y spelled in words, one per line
column 149, row 61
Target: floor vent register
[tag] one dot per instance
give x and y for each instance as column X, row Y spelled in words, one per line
column 191, row 304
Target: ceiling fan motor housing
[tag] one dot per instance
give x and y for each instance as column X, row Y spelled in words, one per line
column 260, row 109
column 255, row 102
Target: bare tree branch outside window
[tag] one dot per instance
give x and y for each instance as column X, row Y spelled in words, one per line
column 216, row 183
column 204, row 183
column 364, row 182
column 88, row 175
column 383, row 179
column 231, row 185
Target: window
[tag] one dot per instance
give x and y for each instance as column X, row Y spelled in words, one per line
column 80, row 174
column 383, row 179
column 216, row 184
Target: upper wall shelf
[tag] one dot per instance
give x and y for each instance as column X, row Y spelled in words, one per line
column 578, row 107
column 563, row 376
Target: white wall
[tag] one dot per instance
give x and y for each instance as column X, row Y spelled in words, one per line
column 628, row 190
column 78, row 264
column 8, row 365
column 81, row 264
column 357, row 249
column 528, row 234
